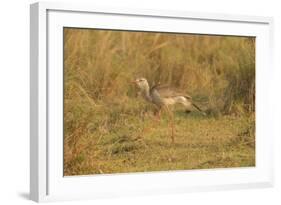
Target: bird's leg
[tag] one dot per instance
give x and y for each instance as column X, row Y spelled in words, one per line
column 171, row 122
column 158, row 115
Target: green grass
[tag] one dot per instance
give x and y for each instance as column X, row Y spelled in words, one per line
column 113, row 140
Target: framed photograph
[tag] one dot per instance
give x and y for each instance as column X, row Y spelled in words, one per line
column 130, row 102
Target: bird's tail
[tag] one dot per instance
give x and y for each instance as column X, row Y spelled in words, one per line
column 198, row 108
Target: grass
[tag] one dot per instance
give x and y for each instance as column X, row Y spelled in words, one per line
column 109, row 129
column 111, row 143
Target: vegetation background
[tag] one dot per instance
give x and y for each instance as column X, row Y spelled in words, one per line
column 104, row 117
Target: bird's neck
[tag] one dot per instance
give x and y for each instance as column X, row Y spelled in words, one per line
column 146, row 94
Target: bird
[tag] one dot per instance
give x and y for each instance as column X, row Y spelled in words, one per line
column 163, row 96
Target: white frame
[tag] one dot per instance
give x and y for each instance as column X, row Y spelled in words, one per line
column 44, row 31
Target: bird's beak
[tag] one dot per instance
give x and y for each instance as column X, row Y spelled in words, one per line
column 134, row 82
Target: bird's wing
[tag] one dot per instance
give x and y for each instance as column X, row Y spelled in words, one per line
column 166, row 91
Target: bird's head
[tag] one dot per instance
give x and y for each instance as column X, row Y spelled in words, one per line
column 141, row 83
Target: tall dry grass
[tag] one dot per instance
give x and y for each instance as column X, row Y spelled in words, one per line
column 218, row 69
